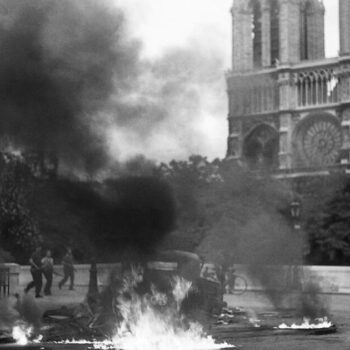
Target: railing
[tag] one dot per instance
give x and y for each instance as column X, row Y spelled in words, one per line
column 318, row 87
column 307, row 84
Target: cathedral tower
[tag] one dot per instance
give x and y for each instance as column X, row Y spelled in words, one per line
column 289, row 107
column 344, row 23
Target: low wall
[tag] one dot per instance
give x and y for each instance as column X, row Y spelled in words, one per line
column 331, row 279
column 81, row 277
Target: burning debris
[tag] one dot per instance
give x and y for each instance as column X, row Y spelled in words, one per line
column 154, row 321
column 234, row 315
column 319, row 323
column 145, row 318
column 23, row 334
column 319, row 326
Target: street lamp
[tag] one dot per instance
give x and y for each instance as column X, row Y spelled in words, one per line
column 294, row 269
column 295, row 210
column 93, row 287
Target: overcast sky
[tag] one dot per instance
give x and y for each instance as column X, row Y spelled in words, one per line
column 163, row 25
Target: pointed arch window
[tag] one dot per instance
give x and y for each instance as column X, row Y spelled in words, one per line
column 275, row 40
column 257, row 33
column 304, row 32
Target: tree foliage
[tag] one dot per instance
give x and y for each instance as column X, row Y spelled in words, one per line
column 227, row 214
column 215, row 208
column 329, row 228
column 19, row 231
column 223, row 211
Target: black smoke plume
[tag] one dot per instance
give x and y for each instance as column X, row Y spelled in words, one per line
column 273, row 252
column 59, row 63
column 73, row 83
column 136, row 215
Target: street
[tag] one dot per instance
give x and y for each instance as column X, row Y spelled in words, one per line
column 250, row 338
column 268, row 340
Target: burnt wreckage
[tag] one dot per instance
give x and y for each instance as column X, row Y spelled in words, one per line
column 152, row 282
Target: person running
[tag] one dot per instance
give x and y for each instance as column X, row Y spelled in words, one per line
column 47, row 268
column 35, row 269
column 68, row 269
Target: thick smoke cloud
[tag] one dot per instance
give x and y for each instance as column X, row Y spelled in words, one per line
column 72, row 83
column 59, row 59
column 172, row 105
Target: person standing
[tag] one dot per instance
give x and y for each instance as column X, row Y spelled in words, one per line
column 47, row 268
column 68, row 269
column 35, row 269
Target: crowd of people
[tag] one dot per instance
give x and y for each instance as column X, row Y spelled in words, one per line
column 42, row 264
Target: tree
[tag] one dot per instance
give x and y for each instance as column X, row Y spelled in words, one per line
column 19, row 232
column 330, row 229
column 221, row 206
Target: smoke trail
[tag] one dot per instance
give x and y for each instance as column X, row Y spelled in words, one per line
column 23, row 309
column 274, row 255
column 254, row 228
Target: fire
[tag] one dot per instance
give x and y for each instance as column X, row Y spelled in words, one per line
column 21, row 334
column 98, row 345
column 147, row 322
column 24, row 334
column 181, row 287
column 319, row 324
column 148, row 325
column 151, row 330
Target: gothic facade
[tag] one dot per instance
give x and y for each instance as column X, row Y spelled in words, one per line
column 289, row 106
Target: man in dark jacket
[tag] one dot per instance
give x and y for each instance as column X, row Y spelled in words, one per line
column 68, row 269
column 35, row 269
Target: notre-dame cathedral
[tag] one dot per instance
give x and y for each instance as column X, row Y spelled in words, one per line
column 289, row 106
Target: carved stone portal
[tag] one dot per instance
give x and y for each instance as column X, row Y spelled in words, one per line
column 261, row 148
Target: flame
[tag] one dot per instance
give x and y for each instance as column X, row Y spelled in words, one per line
column 21, row 334
column 152, row 331
column 319, row 323
column 147, row 325
column 100, row 345
column 181, row 287
column 148, row 322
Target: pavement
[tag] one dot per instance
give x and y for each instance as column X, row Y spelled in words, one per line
column 61, row 297
column 339, row 313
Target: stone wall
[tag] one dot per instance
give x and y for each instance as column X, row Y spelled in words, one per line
column 331, row 279
column 82, row 275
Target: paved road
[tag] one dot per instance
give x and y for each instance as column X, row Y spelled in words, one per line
column 339, row 306
column 254, row 339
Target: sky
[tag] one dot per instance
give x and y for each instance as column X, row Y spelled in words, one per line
column 165, row 26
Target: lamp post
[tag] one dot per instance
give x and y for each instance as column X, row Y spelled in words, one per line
column 295, row 211
column 93, row 288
